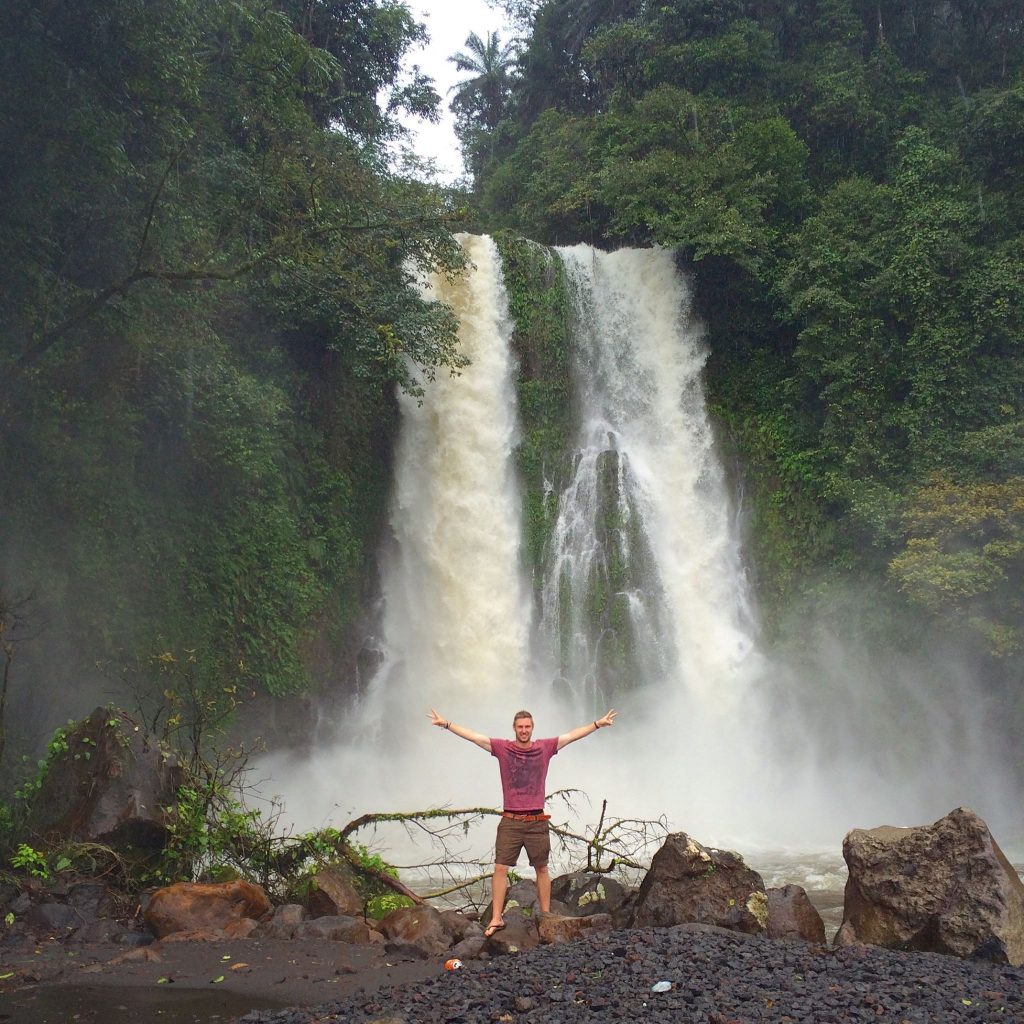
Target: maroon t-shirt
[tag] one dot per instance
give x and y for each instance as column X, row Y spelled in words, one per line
column 524, row 772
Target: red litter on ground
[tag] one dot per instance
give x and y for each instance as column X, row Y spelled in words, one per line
column 453, row 964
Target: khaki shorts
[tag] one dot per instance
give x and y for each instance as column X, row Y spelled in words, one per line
column 514, row 835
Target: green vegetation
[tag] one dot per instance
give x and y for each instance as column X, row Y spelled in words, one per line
column 842, row 178
column 541, row 308
column 206, row 301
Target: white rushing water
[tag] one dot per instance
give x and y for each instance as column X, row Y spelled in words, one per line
column 638, row 361
column 735, row 749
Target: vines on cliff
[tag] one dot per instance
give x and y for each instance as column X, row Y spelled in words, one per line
column 539, row 303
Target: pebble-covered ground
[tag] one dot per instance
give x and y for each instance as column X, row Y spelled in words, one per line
column 716, row 978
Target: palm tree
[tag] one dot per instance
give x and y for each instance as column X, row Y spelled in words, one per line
column 483, row 98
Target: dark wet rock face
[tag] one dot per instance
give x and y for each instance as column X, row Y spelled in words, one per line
column 333, row 893
column 689, row 882
column 587, row 892
column 792, row 916
column 944, row 888
column 111, row 785
column 419, row 930
column 715, row 977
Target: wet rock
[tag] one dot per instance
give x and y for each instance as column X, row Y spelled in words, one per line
column 92, row 899
column 421, row 927
column 791, row 915
column 189, row 907
column 112, row 785
column 460, row 927
column 522, row 896
column 20, row 904
column 56, row 919
column 333, row 893
column 691, row 882
column 469, row 948
column 337, row 928
column 286, row 918
column 588, row 892
column 520, row 933
column 100, row 930
column 553, row 928
column 945, row 888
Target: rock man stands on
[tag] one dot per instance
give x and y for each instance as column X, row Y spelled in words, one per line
column 524, row 771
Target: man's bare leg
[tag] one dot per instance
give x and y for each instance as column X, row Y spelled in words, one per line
column 544, row 889
column 499, row 887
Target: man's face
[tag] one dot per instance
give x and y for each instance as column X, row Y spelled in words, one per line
column 524, row 730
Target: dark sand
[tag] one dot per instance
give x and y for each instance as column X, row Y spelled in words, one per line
column 54, row 983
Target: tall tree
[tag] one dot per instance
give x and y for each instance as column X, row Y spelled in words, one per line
column 481, row 102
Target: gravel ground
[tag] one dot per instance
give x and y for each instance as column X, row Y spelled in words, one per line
column 716, row 978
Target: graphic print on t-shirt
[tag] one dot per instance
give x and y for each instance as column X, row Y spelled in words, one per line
column 524, row 772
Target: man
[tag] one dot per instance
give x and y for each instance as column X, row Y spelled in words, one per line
column 524, row 770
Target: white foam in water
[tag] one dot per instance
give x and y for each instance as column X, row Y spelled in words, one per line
column 732, row 747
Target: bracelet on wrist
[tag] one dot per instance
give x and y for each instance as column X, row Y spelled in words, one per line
column 596, row 726
column 448, row 724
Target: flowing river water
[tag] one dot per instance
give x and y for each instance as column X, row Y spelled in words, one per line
column 717, row 735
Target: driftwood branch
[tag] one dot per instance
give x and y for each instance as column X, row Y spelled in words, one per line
column 614, row 843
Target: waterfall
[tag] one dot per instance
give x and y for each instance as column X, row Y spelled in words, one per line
column 641, row 602
column 456, row 618
column 644, row 529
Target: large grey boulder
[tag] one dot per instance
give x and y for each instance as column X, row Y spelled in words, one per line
column 944, row 888
column 689, row 882
column 112, row 784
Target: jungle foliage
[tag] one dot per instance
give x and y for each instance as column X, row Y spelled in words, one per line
column 843, row 180
column 206, row 299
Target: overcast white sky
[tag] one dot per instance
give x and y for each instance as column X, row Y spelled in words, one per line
column 448, row 23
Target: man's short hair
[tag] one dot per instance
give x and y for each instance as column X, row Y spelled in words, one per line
column 521, row 714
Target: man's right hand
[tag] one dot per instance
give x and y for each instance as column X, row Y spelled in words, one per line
column 436, row 719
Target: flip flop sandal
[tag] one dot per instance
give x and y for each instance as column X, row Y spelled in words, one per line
column 492, row 928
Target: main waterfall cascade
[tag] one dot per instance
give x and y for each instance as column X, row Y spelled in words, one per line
column 647, row 501
column 728, row 745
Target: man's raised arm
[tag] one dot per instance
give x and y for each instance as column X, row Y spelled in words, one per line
column 585, row 730
column 460, row 730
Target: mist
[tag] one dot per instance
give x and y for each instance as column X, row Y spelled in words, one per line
column 775, row 751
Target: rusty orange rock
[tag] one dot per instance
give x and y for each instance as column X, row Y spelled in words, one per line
column 192, row 907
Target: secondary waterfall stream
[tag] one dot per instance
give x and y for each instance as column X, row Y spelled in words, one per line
column 642, row 603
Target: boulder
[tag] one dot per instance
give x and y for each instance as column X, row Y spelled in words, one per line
column 338, row 928
column 944, row 888
column 469, row 948
column 333, row 893
column 191, row 907
column 54, row 919
column 520, row 933
column 688, row 882
column 553, row 929
column 286, row 918
column 110, row 785
column 791, row 915
column 522, row 896
column 460, row 927
column 422, row 928
column 587, row 892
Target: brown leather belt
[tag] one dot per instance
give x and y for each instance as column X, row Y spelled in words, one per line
column 525, row 817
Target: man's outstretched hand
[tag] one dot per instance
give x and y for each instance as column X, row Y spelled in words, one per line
column 436, row 719
column 609, row 719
